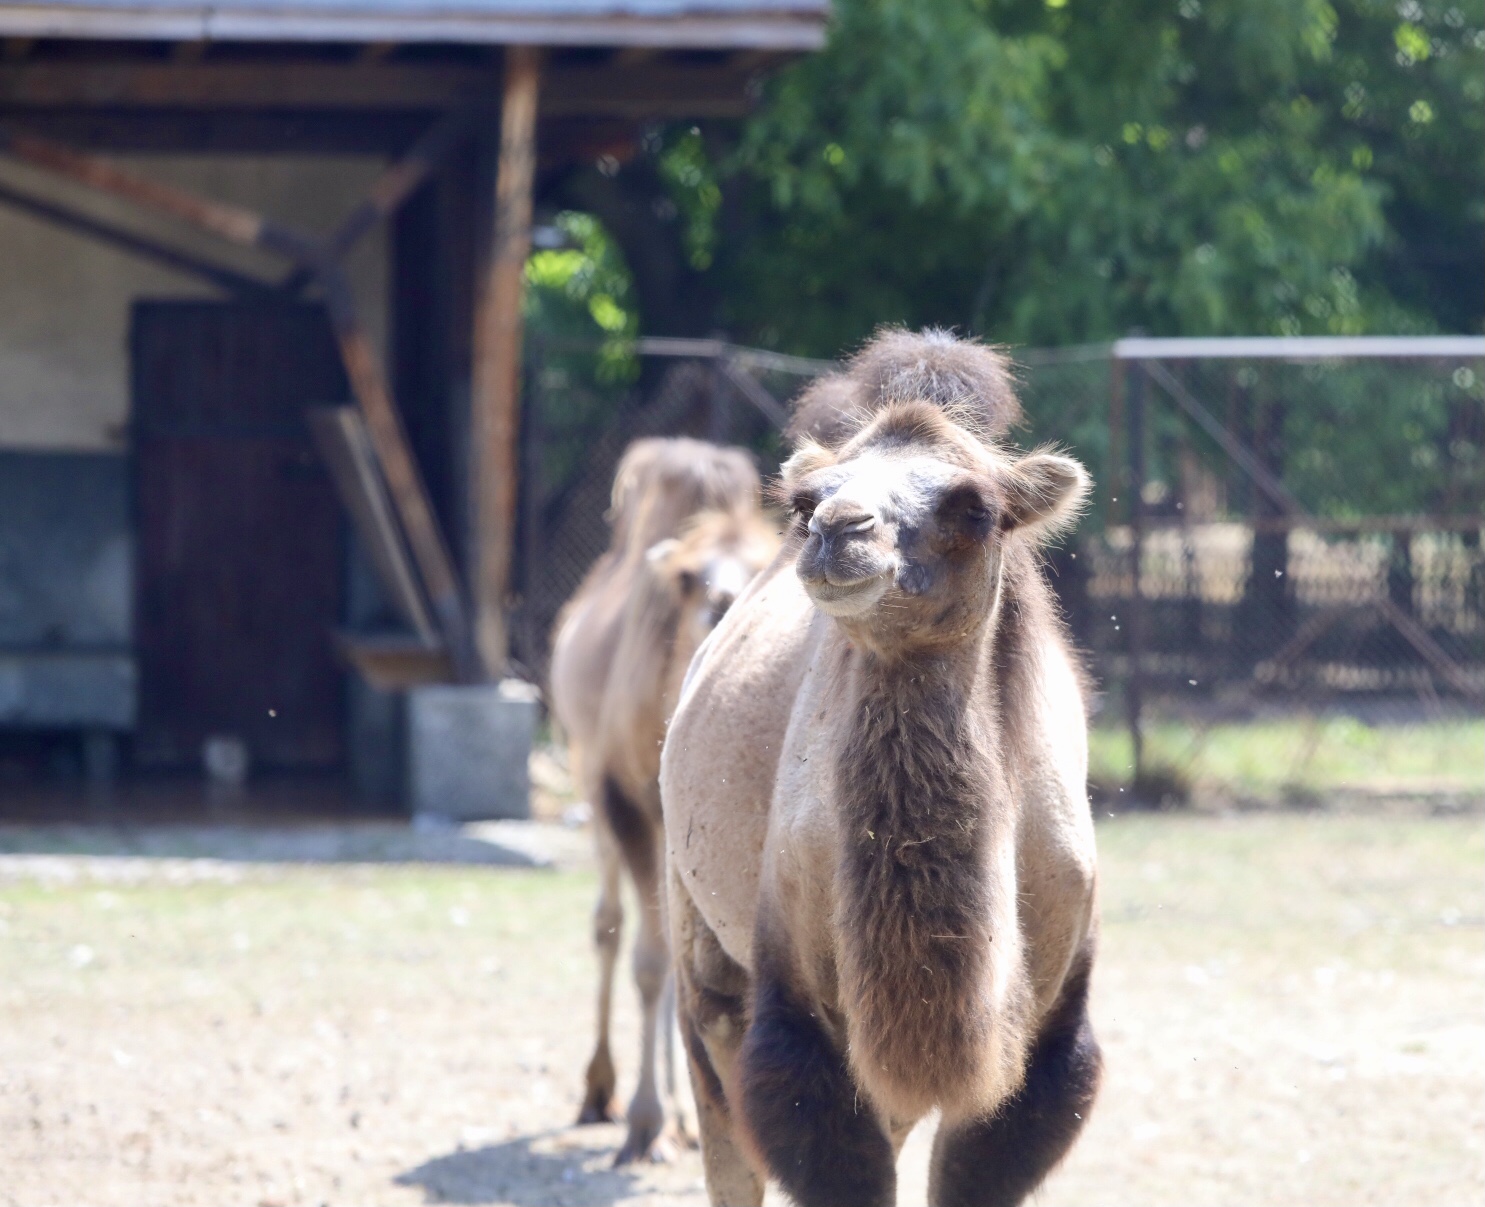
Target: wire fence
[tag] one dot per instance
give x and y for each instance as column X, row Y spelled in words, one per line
column 584, row 405
column 1279, row 526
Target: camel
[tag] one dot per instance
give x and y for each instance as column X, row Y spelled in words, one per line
column 880, row 856
column 687, row 536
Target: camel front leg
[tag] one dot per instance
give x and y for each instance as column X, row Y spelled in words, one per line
column 998, row 1162
column 608, row 921
column 820, row 1136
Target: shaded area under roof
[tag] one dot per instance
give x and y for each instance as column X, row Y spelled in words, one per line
column 756, row 24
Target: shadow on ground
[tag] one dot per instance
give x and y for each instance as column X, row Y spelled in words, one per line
column 520, row 1173
column 69, row 851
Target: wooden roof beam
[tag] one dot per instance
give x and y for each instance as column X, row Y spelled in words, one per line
column 134, row 243
column 657, row 90
column 376, row 52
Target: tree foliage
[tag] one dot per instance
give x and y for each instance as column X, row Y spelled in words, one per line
column 1054, row 171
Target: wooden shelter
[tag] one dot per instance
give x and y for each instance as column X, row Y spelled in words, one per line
column 300, row 203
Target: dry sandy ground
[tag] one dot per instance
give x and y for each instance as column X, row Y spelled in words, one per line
column 1292, row 1008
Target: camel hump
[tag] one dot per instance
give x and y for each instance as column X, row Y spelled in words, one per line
column 897, row 365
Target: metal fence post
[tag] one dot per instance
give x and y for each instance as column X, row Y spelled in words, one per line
column 1134, row 619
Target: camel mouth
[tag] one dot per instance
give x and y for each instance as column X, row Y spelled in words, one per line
column 846, row 599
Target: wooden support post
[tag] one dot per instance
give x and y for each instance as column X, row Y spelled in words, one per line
column 495, row 401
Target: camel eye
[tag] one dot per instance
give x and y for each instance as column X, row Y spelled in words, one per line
column 802, row 506
column 688, row 581
column 966, row 505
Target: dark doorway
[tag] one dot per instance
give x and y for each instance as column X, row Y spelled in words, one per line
column 239, row 562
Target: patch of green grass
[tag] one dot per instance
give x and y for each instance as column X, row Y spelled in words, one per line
column 1302, row 754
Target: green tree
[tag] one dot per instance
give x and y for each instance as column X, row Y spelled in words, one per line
column 1052, row 171
column 1046, row 172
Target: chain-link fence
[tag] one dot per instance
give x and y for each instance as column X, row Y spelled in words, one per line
column 1283, row 528
column 1279, row 527
column 584, row 405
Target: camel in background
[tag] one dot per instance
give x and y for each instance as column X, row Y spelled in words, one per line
column 687, row 536
column 880, row 856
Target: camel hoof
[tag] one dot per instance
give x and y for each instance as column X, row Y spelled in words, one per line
column 658, row 1150
column 598, row 1110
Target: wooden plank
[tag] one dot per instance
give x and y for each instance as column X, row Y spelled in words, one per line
column 404, row 481
column 560, row 142
column 230, row 222
column 649, row 90
column 135, row 244
column 391, row 189
column 340, row 435
column 495, row 400
column 221, row 132
column 376, row 52
column 393, row 664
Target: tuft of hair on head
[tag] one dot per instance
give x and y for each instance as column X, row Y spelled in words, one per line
column 971, row 382
column 827, row 411
column 935, row 365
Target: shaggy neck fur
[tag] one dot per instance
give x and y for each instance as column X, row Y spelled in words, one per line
column 928, row 944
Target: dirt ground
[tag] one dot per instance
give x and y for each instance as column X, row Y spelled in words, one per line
column 1292, row 1008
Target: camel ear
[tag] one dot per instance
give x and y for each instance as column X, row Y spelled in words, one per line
column 808, row 457
column 1044, row 493
column 656, row 554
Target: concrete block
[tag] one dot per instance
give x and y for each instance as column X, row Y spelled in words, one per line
column 467, row 749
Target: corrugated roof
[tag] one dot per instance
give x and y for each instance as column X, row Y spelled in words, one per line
column 762, row 24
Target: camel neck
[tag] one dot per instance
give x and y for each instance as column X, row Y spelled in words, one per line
column 924, row 819
column 918, row 764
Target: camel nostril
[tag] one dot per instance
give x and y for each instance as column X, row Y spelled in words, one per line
column 838, row 524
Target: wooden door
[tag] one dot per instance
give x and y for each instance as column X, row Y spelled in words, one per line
column 239, row 564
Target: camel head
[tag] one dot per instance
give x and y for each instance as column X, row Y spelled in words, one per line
column 662, row 481
column 707, row 566
column 901, row 529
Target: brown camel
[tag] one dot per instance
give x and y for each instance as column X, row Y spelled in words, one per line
column 687, row 537
column 880, row 859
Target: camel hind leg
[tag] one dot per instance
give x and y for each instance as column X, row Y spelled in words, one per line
column 683, row 1125
column 608, row 921
column 710, row 989
column 997, row 1162
column 638, row 839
